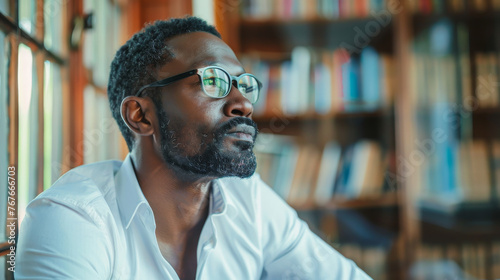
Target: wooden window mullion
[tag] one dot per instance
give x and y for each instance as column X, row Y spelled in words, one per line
column 41, row 120
column 40, row 59
column 13, row 125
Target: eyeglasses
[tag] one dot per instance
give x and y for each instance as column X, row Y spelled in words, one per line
column 216, row 82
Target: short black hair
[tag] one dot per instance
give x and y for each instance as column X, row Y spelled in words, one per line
column 146, row 50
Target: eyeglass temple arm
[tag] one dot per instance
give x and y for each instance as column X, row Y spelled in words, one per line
column 167, row 81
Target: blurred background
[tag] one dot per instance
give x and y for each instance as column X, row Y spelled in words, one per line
column 379, row 119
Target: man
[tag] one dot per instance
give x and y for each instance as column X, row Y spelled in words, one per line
column 184, row 203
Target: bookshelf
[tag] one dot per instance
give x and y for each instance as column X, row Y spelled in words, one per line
column 328, row 124
column 443, row 91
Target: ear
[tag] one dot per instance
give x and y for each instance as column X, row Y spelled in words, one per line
column 137, row 112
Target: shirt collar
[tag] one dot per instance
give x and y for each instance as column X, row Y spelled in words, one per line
column 217, row 200
column 220, row 202
column 130, row 197
column 128, row 192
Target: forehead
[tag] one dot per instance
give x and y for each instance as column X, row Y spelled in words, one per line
column 199, row 49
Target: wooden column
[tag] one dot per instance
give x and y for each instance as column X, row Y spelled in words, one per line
column 227, row 22
column 405, row 135
column 14, row 127
column 39, row 58
column 73, row 102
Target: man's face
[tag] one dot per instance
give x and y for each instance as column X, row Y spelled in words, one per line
column 200, row 135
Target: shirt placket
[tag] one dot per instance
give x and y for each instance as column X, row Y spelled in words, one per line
column 206, row 244
column 149, row 220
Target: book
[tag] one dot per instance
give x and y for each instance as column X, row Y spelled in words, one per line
column 370, row 79
column 374, row 262
column 366, row 174
column 330, row 161
column 341, row 182
column 261, row 70
column 276, row 161
column 486, row 80
column 464, row 66
column 310, row 9
column 323, row 82
column 480, row 5
column 322, row 89
column 329, row 227
column 456, row 6
column 495, row 168
column 474, row 172
column 264, row 167
column 304, row 174
column 492, row 77
column 387, row 74
column 277, row 74
column 285, row 169
column 295, row 99
column 495, row 260
column 340, row 57
column 350, row 81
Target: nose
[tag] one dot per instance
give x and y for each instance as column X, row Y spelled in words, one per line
column 237, row 105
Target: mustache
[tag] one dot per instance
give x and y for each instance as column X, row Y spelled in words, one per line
column 223, row 129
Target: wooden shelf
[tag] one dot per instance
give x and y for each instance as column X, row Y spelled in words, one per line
column 337, row 203
column 384, row 200
column 276, row 35
column 485, row 123
column 434, row 233
column 472, row 15
column 465, row 222
column 477, row 22
column 345, row 128
column 493, row 111
column 306, row 21
column 319, row 117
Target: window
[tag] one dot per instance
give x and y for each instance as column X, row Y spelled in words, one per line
column 102, row 138
column 4, row 135
column 32, row 64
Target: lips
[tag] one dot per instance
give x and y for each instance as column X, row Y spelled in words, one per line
column 242, row 132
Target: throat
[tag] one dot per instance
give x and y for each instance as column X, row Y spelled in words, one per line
column 181, row 252
column 183, row 261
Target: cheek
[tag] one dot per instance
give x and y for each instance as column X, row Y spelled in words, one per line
column 193, row 121
column 190, row 138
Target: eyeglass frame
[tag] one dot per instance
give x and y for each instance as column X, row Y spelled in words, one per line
column 199, row 72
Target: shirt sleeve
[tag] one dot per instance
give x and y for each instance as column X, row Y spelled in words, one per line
column 292, row 250
column 60, row 241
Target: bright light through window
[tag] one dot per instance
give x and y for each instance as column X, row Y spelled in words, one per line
column 47, row 116
column 25, row 79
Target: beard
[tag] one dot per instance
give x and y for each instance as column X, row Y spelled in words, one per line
column 213, row 160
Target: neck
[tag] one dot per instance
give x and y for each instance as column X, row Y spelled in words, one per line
column 180, row 205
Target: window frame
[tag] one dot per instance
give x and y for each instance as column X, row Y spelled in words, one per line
column 15, row 36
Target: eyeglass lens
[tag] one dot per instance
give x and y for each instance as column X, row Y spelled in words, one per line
column 217, row 83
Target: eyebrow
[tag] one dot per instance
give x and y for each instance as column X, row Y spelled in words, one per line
column 206, row 63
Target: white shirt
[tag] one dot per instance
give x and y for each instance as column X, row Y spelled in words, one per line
column 95, row 223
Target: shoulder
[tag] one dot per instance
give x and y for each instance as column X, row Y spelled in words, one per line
column 87, row 188
column 84, row 182
column 71, row 226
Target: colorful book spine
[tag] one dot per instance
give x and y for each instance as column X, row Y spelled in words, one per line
column 324, row 82
column 311, row 9
column 370, row 79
